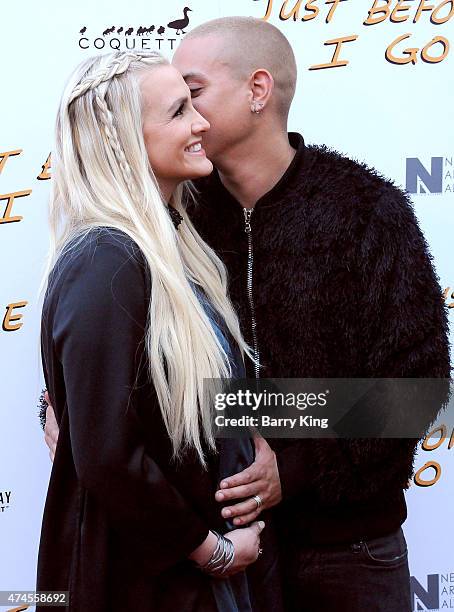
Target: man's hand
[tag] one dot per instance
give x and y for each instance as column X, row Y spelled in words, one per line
column 261, row 478
column 51, row 428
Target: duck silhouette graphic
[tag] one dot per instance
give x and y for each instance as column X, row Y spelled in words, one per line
column 109, row 31
column 180, row 24
column 83, row 30
column 161, row 30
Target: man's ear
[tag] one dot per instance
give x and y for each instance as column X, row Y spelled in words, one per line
column 261, row 85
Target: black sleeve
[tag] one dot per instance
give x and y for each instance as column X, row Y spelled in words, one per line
column 98, row 336
column 403, row 328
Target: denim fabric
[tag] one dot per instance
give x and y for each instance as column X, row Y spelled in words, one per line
column 366, row 576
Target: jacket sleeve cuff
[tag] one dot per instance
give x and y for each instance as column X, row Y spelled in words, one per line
column 193, row 540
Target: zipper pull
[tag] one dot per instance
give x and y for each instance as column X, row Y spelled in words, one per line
column 247, row 219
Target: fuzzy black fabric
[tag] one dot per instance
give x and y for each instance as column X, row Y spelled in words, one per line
column 343, row 286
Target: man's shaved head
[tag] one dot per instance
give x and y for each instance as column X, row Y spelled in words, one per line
column 249, row 44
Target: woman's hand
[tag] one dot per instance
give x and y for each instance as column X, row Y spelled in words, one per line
column 51, row 428
column 246, row 542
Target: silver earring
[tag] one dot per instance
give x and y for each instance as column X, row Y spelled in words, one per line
column 256, row 107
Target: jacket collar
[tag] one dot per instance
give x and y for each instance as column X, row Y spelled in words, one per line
column 274, row 196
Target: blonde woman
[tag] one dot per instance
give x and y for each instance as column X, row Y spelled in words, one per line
column 135, row 317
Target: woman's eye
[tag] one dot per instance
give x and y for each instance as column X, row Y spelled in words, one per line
column 180, row 110
column 195, row 92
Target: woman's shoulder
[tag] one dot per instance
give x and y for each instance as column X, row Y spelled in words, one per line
column 99, row 253
column 103, row 238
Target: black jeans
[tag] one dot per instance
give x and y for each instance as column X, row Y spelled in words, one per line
column 367, row 576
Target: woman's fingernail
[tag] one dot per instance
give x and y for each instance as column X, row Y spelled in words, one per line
column 219, row 496
column 226, row 513
column 224, row 484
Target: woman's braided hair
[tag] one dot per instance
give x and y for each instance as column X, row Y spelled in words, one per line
column 98, row 83
column 118, row 65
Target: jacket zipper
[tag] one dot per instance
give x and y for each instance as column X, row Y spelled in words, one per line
column 250, row 266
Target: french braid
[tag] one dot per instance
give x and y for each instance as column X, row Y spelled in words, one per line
column 112, row 137
column 117, row 66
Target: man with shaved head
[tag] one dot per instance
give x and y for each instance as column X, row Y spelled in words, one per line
column 247, row 107
column 331, row 278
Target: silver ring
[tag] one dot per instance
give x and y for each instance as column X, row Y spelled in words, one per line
column 258, row 501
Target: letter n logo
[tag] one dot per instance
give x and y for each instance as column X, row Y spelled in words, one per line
column 425, row 599
column 419, row 180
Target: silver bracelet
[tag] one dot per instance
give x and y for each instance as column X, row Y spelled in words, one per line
column 222, row 557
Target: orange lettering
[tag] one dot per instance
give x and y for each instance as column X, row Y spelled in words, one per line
column 429, row 447
column 44, row 174
column 430, row 59
column 438, row 21
column 411, row 52
column 293, row 13
column 422, row 7
column 4, row 157
column 399, row 8
column 269, row 8
column 383, row 12
column 332, row 10
column 335, row 62
column 313, row 8
column 9, row 317
column 10, row 197
column 428, row 483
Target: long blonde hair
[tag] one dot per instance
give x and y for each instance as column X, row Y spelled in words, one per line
column 102, row 177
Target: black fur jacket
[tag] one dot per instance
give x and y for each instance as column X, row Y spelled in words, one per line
column 343, row 285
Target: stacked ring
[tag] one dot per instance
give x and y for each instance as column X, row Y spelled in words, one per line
column 258, row 501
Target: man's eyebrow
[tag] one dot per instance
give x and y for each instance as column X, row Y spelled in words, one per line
column 178, row 103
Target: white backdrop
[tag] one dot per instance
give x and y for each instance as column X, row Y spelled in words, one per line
column 395, row 116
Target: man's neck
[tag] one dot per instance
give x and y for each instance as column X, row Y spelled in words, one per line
column 255, row 166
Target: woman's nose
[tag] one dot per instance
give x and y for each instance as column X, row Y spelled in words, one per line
column 200, row 124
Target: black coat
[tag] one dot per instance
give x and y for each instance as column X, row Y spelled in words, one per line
column 120, row 517
column 343, row 286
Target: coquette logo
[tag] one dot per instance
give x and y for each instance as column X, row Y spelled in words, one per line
column 137, row 38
